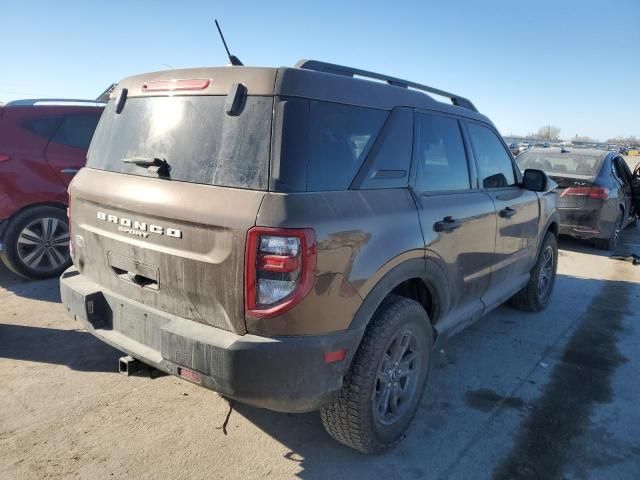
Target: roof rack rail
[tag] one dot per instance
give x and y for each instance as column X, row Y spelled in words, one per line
column 319, row 66
column 54, row 101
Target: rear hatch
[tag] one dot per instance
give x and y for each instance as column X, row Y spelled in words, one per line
column 173, row 182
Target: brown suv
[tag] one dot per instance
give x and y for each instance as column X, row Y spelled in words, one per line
column 299, row 239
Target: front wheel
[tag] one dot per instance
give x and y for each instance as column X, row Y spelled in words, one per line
column 387, row 378
column 535, row 296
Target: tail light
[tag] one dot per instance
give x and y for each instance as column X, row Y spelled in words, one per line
column 280, row 269
column 176, row 85
column 4, row 157
column 591, row 192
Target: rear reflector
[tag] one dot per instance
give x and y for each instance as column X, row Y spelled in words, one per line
column 176, row 85
column 277, row 263
column 189, row 375
column 337, row 356
column 4, row 157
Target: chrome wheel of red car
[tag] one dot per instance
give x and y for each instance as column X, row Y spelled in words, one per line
column 43, row 244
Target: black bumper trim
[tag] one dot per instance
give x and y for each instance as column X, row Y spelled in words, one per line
column 286, row 374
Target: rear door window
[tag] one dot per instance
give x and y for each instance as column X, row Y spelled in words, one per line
column 495, row 168
column 440, row 157
column 43, row 126
column 77, row 130
column 193, row 134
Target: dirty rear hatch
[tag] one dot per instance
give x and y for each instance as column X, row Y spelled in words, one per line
column 169, row 230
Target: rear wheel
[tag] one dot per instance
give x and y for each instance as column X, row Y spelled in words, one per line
column 535, row 296
column 386, row 381
column 612, row 242
column 36, row 243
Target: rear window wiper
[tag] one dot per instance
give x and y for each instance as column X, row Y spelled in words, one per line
column 153, row 164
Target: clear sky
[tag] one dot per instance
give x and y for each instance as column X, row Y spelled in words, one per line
column 573, row 64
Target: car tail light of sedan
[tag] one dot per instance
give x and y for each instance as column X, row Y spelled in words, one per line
column 591, row 192
column 280, row 269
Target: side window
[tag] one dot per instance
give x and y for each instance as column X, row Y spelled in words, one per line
column 440, row 156
column 615, row 169
column 77, row 130
column 621, row 169
column 495, row 167
column 339, row 138
column 43, row 126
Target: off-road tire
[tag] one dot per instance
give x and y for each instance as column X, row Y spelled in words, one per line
column 611, row 243
column 529, row 298
column 10, row 256
column 350, row 419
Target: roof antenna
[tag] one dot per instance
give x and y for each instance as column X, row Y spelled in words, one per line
column 235, row 61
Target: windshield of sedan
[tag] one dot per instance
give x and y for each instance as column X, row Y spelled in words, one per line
column 560, row 163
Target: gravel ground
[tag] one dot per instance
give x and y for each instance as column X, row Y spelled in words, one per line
column 549, row 395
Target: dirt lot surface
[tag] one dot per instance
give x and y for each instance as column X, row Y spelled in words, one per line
column 549, row 395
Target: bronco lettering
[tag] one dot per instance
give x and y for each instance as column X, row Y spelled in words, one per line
column 139, row 228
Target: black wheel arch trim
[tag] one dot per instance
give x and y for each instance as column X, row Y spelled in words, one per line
column 423, row 268
column 553, row 219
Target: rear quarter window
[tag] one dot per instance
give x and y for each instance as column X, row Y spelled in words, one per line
column 325, row 143
column 340, row 136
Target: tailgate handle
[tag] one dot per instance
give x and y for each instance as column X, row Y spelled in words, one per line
column 139, row 273
column 136, row 278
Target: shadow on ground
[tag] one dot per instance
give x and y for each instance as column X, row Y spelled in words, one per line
column 75, row 349
column 45, row 290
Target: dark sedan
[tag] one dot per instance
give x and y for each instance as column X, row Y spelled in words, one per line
column 596, row 199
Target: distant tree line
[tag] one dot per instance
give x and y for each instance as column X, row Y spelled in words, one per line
column 550, row 133
column 631, row 140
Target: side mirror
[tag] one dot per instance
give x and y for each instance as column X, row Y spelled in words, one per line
column 535, row 180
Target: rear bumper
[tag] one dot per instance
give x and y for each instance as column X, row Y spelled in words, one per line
column 286, row 374
column 583, row 223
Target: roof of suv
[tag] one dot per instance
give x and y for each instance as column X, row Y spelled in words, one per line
column 308, row 79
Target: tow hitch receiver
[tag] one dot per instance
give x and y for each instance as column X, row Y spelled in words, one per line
column 129, row 366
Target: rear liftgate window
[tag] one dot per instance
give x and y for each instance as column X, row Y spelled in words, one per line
column 331, row 139
column 193, row 134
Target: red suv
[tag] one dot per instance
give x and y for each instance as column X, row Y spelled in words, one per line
column 43, row 143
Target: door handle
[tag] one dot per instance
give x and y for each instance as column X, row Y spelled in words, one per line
column 508, row 212
column 448, row 224
column 70, row 170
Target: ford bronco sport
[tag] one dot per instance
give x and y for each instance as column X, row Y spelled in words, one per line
column 301, row 238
